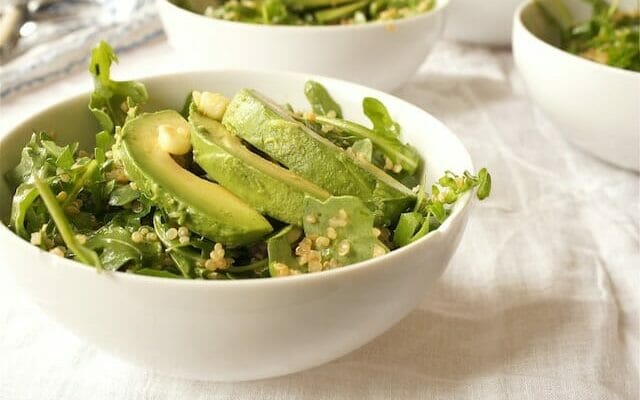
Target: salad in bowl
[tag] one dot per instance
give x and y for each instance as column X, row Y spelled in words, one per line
column 227, row 188
column 203, row 238
column 308, row 12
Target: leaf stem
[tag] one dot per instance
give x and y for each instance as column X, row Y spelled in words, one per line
column 77, row 187
column 62, row 223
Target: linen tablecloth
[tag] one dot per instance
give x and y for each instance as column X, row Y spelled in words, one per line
column 539, row 302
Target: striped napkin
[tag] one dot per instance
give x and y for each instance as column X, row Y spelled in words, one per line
column 61, row 43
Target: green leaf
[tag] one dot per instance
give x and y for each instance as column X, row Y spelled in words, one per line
column 398, row 153
column 65, row 159
column 428, row 224
column 432, row 210
column 407, row 226
column 34, row 157
column 25, row 195
column 186, row 106
column 117, row 248
column 255, row 267
column 356, row 236
column 484, row 185
column 333, row 14
column 274, row 12
column 123, row 194
column 380, row 118
column 363, row 149
column 81, row 252
column 279, row 249
column 111, row 100
column 321, row 101
column 437, row 210
column 104, row 141
column 88, row 174
column 185, row 257
column 557, row 11
column 158, row 273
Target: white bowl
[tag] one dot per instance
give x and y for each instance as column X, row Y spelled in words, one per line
column 383, row 55
column 236, row 330
column 481, row 22
column 596, row 106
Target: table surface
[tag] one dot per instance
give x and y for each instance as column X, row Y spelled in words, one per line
column 539, row 302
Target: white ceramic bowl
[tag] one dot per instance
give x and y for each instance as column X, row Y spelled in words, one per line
column 596, row 106
column 235, row 330
column 482, row 22
column 381, row 55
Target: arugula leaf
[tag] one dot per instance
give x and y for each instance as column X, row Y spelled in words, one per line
column 384, row 135
column 123, row 194
column 408, row 225
column 186, row 106
column 363, row 149
column 185, row 256
column 338, row 13
column 111, row 100
column 34, row 157
column 158, row 273
column 279, row 250
column 83, row 253
column 352, row 223
column 104, row 141
column 255, row 267
column 380, row 118
column 484, row 184
column 321, row 101
column 431, row 210
column 86, row 174
column 64, row 156
column 24, row 196
column 117, row 248
column 274, row 12
column 610, row 36
column 391, row 147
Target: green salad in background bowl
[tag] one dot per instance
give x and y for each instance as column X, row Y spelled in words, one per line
column 227, row 188
column 308, row 12
column 610, row 35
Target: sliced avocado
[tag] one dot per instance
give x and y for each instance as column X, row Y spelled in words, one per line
column 271, row 129
column 204, row 207
column 266, row 186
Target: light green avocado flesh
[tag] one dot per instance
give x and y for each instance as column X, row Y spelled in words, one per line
column 266, row 186
column 271, row 129
column 204, row 207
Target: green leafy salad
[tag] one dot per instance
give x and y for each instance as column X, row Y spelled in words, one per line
column 227, row 188
column 308, row 12
column 611, row 36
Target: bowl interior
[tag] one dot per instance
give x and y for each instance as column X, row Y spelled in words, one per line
column 71, row 120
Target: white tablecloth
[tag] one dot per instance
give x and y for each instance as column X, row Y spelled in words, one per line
column 540, row 301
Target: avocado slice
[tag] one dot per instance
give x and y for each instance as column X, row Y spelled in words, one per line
column 272, row 130
column 266, row 186
column 204, row 207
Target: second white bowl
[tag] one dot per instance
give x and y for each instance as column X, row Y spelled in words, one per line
column 383, row 55
column 596, row 106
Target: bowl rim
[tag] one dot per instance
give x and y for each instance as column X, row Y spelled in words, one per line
column 458, row 212
column 519, row 24
column 437, row 9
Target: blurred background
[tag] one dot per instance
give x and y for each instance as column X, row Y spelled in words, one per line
column 41, row 40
